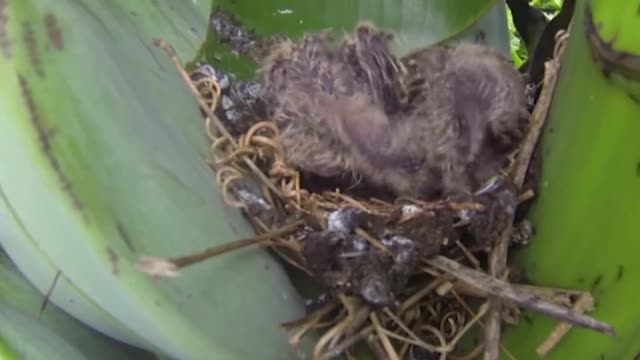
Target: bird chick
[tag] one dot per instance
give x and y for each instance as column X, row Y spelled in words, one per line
column 295, row 76
column 467, row 115
column 466, row 112
column 436, row 122
column 313, row 89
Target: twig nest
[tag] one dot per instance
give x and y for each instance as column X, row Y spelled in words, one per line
column 430, row 128
column 365, row 250
column 373, row 256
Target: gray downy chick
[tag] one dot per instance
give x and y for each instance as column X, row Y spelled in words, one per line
column 466, row 112
column 295, row 76
column 467, row 116
column 433, row 123
column 313, row 88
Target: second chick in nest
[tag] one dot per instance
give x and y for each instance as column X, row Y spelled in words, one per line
column 467, row 112
column 436, row 122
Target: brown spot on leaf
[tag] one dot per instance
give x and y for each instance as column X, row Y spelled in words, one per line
column 29, row 39
column 45, row 144
column 113, row 259
column 54, row 33
column 125, row 236
column 151, row 51
column 5, row 44
column 620, row 273
column 596, row 282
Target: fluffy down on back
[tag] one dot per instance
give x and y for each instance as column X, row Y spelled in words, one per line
column 436, row 122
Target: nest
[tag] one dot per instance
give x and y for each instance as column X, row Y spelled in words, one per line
column 408, row 278
column 347, row 243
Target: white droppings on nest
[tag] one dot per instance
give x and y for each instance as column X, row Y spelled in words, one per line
column 221, row 79
column 401, row 240
column 358, row 248
column 397, row 240
column 250, row 198
column 359, row 244
column 301, row 235
column 402, row 257
column 404, row 244
column 465, row 216
column 226, row 102
column 320, row 299
column 336, row 221
column 409, row 210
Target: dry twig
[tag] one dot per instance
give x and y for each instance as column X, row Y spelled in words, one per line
column 505, row 291
column 584, row 303
column 498, row 256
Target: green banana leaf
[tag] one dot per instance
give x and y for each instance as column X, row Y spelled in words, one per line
column 416, row 23
column 42, row 272
column 587, row 212
column 23, row 337
column 16, row 292
column 103, row 162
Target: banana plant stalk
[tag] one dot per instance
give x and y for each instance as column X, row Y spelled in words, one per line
column 587, row 210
